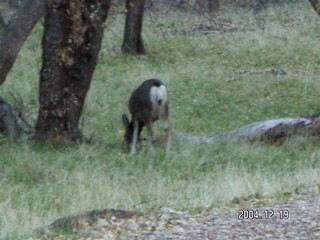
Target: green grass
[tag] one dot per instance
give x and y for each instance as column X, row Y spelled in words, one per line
column 39, row 183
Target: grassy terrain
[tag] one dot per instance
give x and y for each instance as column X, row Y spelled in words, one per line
column 39, row 183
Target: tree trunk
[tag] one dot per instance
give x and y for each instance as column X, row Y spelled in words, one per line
column 17, row 30
column 13, row 3
column 213, row 6
column 71, row 43
column 2, row 22
column 268, row 131
column 316, row 5
column 132, row 42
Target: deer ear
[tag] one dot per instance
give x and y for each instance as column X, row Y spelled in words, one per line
column 125, row 120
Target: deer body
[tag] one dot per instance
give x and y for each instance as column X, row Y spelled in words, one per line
column 148, row 103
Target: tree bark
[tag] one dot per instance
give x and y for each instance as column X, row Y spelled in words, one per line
column 17, row 30
column 268, row 131
column 133, row 42
column 71, row 43
column 213, row 6
column 13, row 3
column 2, row 22
column 316, row 5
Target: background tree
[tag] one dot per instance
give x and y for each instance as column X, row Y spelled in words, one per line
column 133, row 42
column 13, row 3
column 2, row 22
column 71, row 42
column 213, row 6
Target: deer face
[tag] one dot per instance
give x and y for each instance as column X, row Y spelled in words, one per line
column 128, row 127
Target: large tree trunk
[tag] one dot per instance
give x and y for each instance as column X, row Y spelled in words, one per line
column 213, row 6
column 268, row 131
column 71, row 43
column 16, row 31
column 132, row 42
column 316, row 5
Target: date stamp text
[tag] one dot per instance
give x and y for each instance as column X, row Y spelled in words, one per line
column 263, row 214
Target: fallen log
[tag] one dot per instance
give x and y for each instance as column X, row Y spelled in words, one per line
column 268, row 131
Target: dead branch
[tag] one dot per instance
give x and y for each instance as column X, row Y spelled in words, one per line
column 268, row 131
column 19, row 109
column 8, row 120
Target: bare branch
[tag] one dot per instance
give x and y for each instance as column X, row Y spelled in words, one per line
column 19, row 109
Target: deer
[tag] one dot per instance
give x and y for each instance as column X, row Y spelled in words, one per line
column 147, row 104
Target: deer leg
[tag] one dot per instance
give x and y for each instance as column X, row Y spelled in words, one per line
column 166, row 130
column 150, row 136
column 141, row 125
column 134, row 138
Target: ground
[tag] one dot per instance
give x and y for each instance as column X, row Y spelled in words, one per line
column 296, row 217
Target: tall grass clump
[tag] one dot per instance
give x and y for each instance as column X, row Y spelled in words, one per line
column 217, row 82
